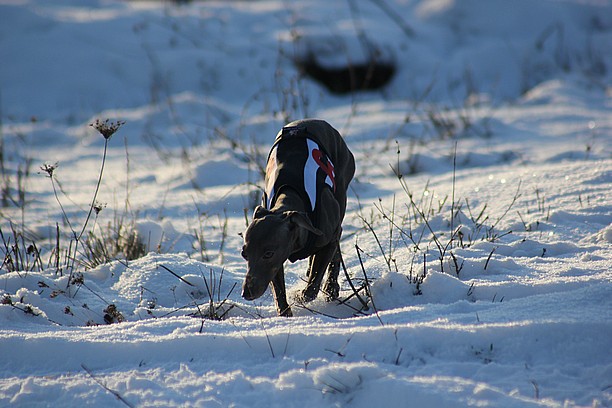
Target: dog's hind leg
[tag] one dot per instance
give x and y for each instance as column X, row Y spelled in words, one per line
column 332, row 288
column 318, row 265
column 280, row 294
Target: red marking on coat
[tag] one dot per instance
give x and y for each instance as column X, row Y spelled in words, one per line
column 326, row 165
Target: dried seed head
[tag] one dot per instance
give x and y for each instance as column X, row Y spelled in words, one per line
column 107, row 128
column 97, row 207
column 112, row 315
column 77, row 279
column 49, row 168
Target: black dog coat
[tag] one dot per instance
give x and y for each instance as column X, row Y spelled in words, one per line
column 298, row 161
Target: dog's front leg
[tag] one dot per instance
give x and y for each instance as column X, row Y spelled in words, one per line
column 331, row 289
column 280, row 294
column 318, row 265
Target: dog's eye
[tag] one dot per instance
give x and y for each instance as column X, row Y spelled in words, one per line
column 268, row 255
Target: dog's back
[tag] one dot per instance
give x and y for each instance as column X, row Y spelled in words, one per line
column 333, row 146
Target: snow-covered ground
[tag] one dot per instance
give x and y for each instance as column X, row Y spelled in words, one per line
column 488, row 263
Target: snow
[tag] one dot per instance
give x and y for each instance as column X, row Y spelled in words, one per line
column 499, row 114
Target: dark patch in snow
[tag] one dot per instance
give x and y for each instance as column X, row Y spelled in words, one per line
column 362, row 76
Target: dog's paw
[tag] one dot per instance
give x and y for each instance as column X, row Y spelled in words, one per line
column 286, row 312
column 332, row 291
column 307, row 295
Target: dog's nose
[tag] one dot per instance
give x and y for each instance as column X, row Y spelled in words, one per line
column 247, row 293
column 253, row 288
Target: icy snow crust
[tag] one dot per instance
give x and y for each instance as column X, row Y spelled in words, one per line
column 500, row 107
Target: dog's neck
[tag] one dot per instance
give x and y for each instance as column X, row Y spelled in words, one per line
column 288, row 200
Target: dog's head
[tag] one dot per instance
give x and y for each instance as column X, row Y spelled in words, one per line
column 268, row 242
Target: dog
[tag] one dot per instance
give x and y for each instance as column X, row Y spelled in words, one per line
column 308, row 172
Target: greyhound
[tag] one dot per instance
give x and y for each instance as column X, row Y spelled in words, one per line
column 308, row 172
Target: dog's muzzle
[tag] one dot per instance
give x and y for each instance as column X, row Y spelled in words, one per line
column 252, row 288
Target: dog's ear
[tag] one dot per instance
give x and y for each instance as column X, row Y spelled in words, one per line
column 301, row 220
column 260, row 212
